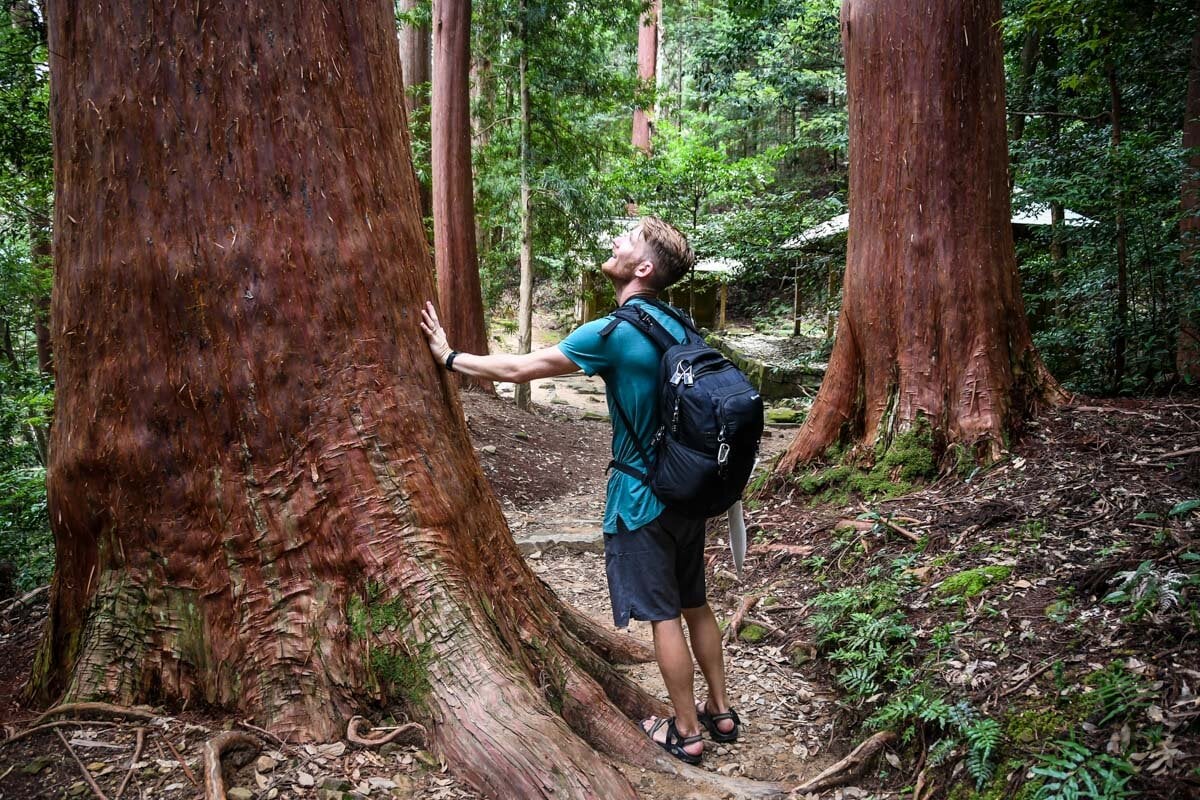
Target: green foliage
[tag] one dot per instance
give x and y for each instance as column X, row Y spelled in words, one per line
column 948, row 727
column 1117, row 694
column 972, row 582
column 1074, row 771
column 860, row 630
column 1149, row 590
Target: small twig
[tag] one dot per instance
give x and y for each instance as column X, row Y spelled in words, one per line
column 95, row 708
column 63, row 723
column 735, row 622
column 1187, row 451
column 355, row 735
column 191, row 776
column 86, row 772
column 250, row 726
column 137, row 753
column 1026, row 680
column 846, row 769
column 214, row 783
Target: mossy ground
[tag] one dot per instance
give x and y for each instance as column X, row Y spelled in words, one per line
column 896, row 469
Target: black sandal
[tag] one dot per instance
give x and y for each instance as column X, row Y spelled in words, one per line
column 674, row 743
column 709, row 721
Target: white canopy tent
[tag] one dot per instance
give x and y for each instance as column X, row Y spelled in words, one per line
column 1024, row 213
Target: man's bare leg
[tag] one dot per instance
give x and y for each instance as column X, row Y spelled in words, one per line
column 675, row 662
column 706, row 644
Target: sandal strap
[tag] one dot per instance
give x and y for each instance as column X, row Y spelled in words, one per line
column 675, row 737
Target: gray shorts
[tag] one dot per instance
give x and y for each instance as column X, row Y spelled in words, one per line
column 656, row 571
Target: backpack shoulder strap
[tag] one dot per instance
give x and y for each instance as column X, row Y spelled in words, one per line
column 680, row 316
column 645, row 322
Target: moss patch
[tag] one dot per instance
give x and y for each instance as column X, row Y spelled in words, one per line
column 1035, row 725
column 907, row 459
column 402, row 675
column 752, row 633
column 972, row 582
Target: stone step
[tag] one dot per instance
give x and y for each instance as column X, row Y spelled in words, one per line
column 575, row 540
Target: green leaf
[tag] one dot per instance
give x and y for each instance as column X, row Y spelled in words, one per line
column 1184, row 507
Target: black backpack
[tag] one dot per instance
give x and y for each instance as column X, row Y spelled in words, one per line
column 710, row 420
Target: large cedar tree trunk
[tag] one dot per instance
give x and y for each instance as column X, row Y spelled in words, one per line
column 455, row 251
column 261, row 486
column 932, row 325
column 647, row 61
column 1187, row 358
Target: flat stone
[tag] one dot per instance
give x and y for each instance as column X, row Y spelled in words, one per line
column 265, row 764
column 239, row 793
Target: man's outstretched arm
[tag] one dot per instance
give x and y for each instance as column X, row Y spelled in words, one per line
column 545, row 363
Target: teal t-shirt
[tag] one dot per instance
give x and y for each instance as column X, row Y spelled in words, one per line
column 628, row 362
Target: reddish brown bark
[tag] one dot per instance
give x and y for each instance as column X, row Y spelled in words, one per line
column 455, row 252
column 1187, row 358
column 932, row 325
column 647, row 60
column 261, row 487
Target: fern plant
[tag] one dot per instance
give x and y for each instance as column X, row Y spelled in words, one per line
column 1147, row 590
column 1118, row 693
column 1075, row 771
column 955, row 726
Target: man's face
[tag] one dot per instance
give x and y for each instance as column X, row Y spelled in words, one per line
column 627, row 254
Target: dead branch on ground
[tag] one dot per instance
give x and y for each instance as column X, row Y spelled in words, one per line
column 87, row 774
column 848, row 767
column 137, row 753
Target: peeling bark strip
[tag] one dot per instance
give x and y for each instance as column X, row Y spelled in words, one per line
column 262, row 490
column 932, row 324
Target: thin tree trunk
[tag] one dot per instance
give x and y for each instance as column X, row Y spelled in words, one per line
column 1120, row 339
column 455, row 254
column 647, row 60
column 415, row 66
column 1028, row 65
column 525, row 301
column 932, row 329
column 261, row 487
column 1187, row 354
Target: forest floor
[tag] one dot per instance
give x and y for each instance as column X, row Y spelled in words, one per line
column 968, row 614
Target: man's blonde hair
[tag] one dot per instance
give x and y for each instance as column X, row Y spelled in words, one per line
column 668, row 249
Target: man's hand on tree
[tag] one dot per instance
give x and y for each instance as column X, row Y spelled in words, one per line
column 434, row 332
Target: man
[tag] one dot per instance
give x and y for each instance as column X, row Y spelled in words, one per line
column 653, row 557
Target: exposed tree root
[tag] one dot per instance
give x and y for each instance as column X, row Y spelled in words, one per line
column 849, row 766
column 87, row 774
column 735, row 622
column 356, row 735
column 65, row 723
column 95, row 708
column 214, row 782
column 614, row 648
